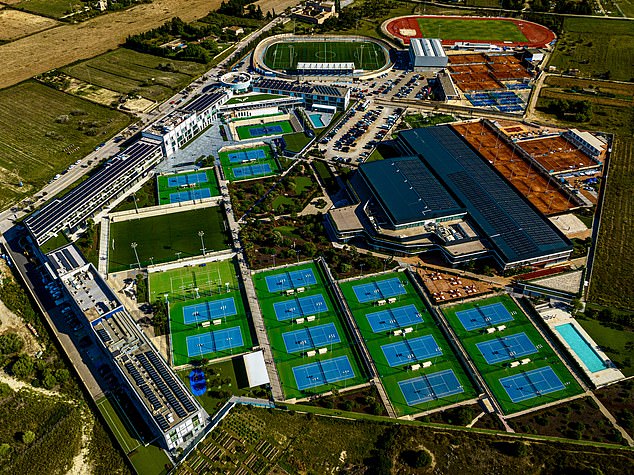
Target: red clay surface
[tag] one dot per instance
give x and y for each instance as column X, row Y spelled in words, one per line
column 557, row 154
column 483, row 72
column 538, row 36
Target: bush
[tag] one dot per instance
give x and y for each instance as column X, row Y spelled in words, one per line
column 10, row 343
column 28, row 437
column 23, row 367
column 416, row 458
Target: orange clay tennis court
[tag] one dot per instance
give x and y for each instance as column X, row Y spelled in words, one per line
column 542, row 192
column 557, row 155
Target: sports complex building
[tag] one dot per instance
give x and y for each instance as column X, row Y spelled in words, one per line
column 441, row 195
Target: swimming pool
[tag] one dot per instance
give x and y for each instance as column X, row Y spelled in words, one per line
column 581, row 347
column 316, row 120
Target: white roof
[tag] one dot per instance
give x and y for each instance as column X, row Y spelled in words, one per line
column 256, row 369
column 589, row 139
column 427, row 47
column 326, row 66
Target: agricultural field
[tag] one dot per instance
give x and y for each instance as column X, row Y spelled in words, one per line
column 285, row 55
column 597, row 48
column 166, row 237
column 16, row 24
column 611, row 280
column 49, row 8
column 42, row 131
column 129, row 72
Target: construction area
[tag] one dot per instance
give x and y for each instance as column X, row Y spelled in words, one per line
column 539, row 188
column 446, row 287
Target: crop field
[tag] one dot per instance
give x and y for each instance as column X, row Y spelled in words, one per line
column 16, row 24
column 380, row 337
column 128, row 71
column 49, row 8
column 541, row 378
column 364, row 54
column 596, row 46
column 166, row 237
column 611, row 281
column 42, row 131
column 300, row 323
column 213, row 285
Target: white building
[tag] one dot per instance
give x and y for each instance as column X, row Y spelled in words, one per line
column 592, row 146
column 427, row 54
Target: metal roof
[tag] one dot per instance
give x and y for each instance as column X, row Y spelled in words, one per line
column 427, row 47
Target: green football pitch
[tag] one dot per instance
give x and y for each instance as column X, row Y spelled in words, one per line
column 228, row 167
column 392, row 375
column 201, row 285
column 543, row 355
column 166, row 193
column 364, row 54
column 166, row 237
column 470, row 30
column 286, row 360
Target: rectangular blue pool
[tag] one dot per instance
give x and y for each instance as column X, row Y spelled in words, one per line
column 581, row 347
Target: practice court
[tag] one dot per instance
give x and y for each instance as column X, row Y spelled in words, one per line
column 300, row 307
column 246, row 156
column 290, row 280
column 393, row 318
column 184, row 180
column 188, row 195
column 210, row 342
column 262, row 131
column 382, row 289
column 311, row 337
column 409, row 351
column 431, row 386
column 323, row 372
column 505, row 348
column 482, row 317
column 247, row 171
column 205, row 311
column 530, row 384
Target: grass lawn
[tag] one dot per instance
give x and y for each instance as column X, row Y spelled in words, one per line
column 270, row 128
column 253, row 98
column 470, row 30
column 364, row 54
column 52, row 244
column 164, row 236
column 123, row 429
column 286, row 358
column 244, row 169
column 416, row 121
column 611, row 279
column 127, row 71
column 617, row 344
column 192, row 178
column 492, row 373
column 50, row 8
column 595, row 46
column 145, row 197
column 42, row 131
column 211, row 289
column 375, row 341
column 296, row 142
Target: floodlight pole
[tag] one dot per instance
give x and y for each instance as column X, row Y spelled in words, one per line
column 201, row 234
column 135, row 205
column 134, row 245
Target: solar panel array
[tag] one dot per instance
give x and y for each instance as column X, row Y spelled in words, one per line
column 203, row 102
column 82, row 201
column 288, row 86
column 517, row 230
column 104, row 335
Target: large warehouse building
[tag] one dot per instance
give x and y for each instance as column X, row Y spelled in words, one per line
column 445, row 197
column 427, row 54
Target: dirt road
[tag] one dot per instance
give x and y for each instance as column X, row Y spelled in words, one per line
column 66, row 44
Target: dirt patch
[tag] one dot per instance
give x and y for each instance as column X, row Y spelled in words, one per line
column 278, row 6
column 11, row 323
column 16, row 24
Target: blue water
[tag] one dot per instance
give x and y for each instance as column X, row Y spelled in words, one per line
column 581, row 347
column 316, row 120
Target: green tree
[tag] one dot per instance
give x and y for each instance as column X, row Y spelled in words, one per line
column 23, row 367
column 10, row 343
column 28, row 437
column 5, row 449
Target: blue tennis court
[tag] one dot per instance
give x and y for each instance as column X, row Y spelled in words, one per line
column 300, row 307
column 481, row 317
column 431, row 386
column 505, row 348
column 189, row 195
column 252, row 170
column 393, row 318
column 210, row 342
column 290, row 280
column 379, row 290
column 410, row 351
column 249, row 155
column 191, row 178
column 201, row 312
column 323, row 372
column 311, row 337
column 537, row 382
column 270, row 130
